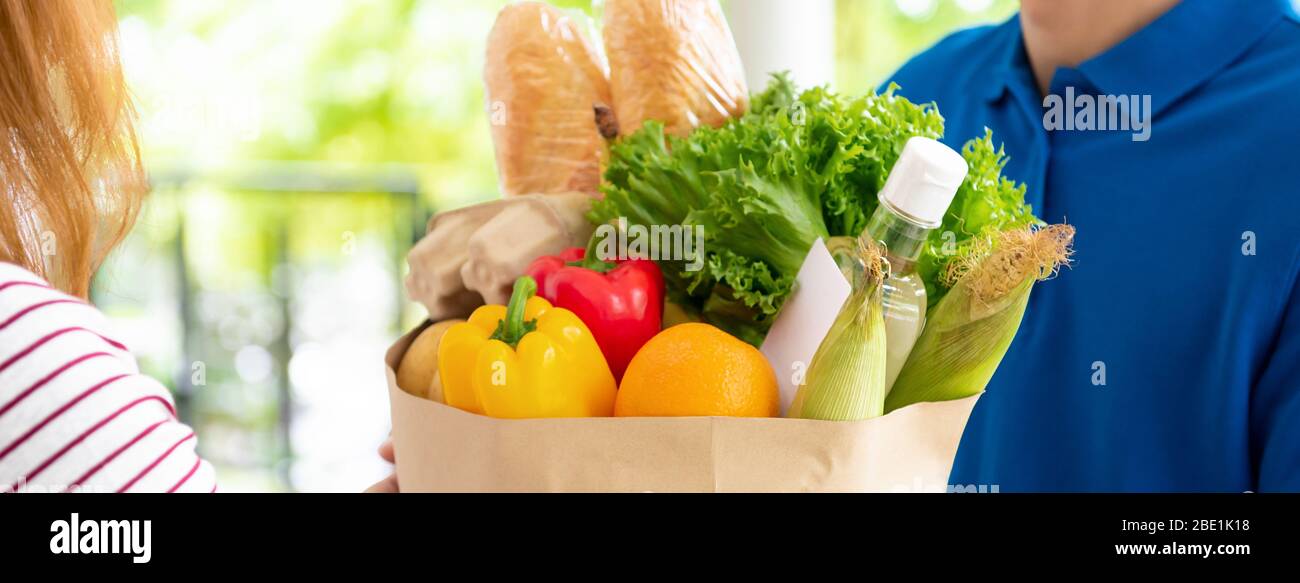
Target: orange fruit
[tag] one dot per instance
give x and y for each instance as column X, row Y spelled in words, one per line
column 696, row 369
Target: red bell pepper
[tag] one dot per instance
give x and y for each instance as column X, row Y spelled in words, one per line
column 620, row 301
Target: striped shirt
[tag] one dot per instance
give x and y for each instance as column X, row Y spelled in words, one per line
column 75, row 413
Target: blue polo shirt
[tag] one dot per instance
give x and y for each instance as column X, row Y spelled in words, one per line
column 1168, row 357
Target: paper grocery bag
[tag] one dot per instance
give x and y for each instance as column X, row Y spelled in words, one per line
column 443, row 449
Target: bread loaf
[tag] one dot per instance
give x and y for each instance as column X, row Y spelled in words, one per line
column 545, row 81
column 674, row 61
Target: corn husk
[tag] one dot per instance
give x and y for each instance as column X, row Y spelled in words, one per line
column 846, row 379
column 968, row 332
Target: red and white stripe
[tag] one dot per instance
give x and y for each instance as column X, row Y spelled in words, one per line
column 75, row 413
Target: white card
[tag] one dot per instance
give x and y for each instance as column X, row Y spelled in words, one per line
column 807, row 315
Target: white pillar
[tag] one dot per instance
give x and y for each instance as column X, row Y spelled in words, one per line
column 785, row 35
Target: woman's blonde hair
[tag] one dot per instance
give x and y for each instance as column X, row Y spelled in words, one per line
column 71, row 171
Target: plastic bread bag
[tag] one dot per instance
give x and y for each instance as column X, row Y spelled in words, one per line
column 472, row 255
column 546, row 86
column 674, row 61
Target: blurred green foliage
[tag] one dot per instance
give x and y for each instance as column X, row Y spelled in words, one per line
column 394, row 81
column 873, row 38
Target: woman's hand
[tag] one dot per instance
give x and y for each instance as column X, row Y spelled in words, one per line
column 387, row 485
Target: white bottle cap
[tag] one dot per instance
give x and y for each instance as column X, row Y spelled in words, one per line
column 923, row 181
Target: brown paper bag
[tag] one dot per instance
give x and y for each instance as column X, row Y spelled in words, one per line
column 443, row 449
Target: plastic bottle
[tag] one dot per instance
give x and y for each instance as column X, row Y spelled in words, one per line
column 913, row 202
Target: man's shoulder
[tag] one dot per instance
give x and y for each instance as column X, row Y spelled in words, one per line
column 957, row 62
column 1278, row 51
column 1262, row 83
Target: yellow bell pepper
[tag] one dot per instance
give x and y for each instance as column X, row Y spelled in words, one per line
column 527, row 359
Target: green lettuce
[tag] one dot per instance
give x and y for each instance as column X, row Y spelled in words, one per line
column 798, row 166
